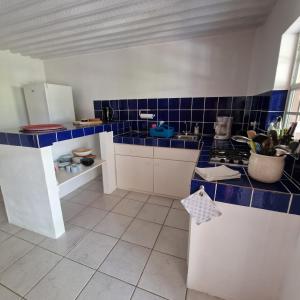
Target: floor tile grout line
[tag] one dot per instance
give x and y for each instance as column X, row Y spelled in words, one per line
column 1, row 284
column 37, row 245
column 98, row 269
column 152, row 249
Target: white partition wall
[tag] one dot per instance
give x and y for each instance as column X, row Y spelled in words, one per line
column 109, row 165
column 243, row 254
column 30, row 190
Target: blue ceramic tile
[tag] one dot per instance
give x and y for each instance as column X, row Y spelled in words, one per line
column 174, row 103
column 255, row 103
column 291, row 186
column 296, row 171
column 238, row 103
column 28, row 140
column 64, row 135
column 127, row 140
column 123, row 115
column 210, row 115
column 97, row 105
column 295, row 206
column 133, row 115
column 175, row 125
column 233, row 194
column 163, row 143
column 277, row 186
column 98, row 114
column 163, row 115
column 132, row 104
column 47, row 139
column 209, row 187
column 163, row 103
column 123, row 104
column 152, row 104
column 243, row 181
column 177, row 144
column 114, row 128
column 107, row 127
column 211, row 103
column 99, row 128
column 173, row 115
column 205, row 164
column 3, row 139
column 271, row 200
column 225, row 103
column 118, row 139
column 208, row 128
column 13, row 139
column 238, row 116
column 191, row 145
column 197, row 115
column 142, row 103
column 278, row 100
column 185, row 103
column 138, row 141
column 198, row 103
column 151, row 142
column 185, row 115
column 105, row 103
column 88, row 130
column 114, row 104
column 77, row 133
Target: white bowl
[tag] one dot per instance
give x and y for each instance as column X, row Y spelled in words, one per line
column 82, row 151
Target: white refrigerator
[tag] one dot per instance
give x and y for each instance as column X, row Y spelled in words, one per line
column 49, row 103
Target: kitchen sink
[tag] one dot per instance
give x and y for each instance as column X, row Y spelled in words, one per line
column 187, row 137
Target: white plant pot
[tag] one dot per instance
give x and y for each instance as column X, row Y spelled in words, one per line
column 265, row 168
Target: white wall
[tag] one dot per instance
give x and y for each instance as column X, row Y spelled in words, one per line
column 15, row 71
column 290, row 290
column 244, row 255
column 267, row 45
column 210, row 66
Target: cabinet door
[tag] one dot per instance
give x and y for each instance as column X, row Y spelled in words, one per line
column 134, row 173
column 172, row 178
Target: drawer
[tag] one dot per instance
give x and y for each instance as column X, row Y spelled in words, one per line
column 134, row 150
column 176, row 154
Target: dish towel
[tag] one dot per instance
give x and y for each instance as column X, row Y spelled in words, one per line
column 200, row 207
column 217, row 173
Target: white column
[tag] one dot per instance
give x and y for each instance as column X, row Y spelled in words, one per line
column 109, row 166
column 30, row 190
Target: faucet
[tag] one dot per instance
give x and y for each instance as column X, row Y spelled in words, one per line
column 185, row 131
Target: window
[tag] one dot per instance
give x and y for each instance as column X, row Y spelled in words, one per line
column 292, row 112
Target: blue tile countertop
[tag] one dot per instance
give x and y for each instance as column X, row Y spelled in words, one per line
column 282, row 196
column 142, row 138
column 39, row 140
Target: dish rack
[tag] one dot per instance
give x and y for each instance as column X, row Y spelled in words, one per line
column 163, row 131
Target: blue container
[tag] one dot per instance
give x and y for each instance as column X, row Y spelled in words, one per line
column 163, row 131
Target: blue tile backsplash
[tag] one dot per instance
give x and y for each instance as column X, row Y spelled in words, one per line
column 263, row 109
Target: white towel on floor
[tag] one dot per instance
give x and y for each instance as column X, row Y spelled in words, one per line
column 200, row 207
column 217, row 173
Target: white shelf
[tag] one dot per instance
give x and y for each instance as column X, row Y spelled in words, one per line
column 63, row 176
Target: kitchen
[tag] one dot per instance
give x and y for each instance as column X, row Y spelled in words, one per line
column 175, row 83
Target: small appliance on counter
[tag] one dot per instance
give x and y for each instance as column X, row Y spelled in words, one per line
column 223, row 128
column 107, row 114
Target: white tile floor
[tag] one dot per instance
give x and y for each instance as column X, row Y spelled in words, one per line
column 124, row 246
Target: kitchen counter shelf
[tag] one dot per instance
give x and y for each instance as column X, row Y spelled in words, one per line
column 63, row 176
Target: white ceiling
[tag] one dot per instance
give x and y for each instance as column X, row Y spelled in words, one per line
column 57, row 28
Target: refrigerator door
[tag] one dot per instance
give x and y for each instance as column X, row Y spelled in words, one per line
column 60, row 103
column 36, row 103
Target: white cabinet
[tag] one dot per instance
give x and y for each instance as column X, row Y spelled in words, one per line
column 164, row 171
column 172, row 177
column 49, row 103
column 134, row 173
